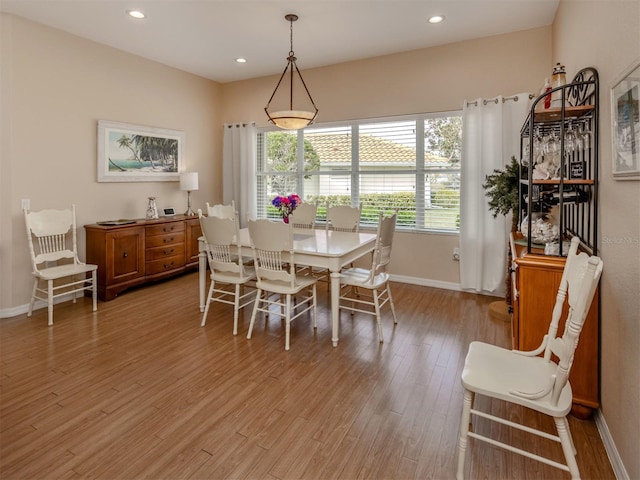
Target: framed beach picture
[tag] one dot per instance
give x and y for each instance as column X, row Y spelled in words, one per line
column 133, row 153
column 625, row 124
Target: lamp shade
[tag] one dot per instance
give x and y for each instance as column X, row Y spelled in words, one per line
column 189, row 181
column 292, row 119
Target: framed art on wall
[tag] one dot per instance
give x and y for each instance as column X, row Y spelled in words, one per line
column 625, row 124
column 133, row 153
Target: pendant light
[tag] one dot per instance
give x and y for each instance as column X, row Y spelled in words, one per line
column 285, row 115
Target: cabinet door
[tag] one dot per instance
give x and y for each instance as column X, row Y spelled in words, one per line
column 125, row 248
column 538, row 282
column 193, row 233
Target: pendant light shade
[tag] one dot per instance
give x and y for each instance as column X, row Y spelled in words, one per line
column 283, row 113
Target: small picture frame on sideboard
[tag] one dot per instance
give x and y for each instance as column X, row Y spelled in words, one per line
column 625, row 123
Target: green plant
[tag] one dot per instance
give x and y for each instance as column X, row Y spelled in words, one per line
column 502, row 188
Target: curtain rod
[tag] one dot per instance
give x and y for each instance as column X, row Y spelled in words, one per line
column 238, row 125
column 515, row 98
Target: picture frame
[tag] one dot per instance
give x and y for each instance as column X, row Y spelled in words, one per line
column 135, row 153
column 625, row 123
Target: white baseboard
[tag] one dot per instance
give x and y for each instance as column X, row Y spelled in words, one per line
column 610, row 447
column 20, row 309
column 425, row 282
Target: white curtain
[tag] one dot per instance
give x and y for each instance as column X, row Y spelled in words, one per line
column 490, row 137
column 238, row 168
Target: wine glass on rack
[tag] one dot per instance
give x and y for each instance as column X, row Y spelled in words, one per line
column 526, row 152
column 538, row 147
column 533, row 150
column 571, row 143
column 553, row 153
column 585, row 135
column 571, row 139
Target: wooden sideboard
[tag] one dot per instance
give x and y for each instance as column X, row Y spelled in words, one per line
column 536, row 278
column 141, row 252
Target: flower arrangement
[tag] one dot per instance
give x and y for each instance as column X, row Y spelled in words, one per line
column 286, row 204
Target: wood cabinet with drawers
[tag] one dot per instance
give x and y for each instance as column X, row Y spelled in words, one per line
column 146, row 250
column 536, row 278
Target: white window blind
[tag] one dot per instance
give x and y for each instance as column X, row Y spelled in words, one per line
column 410, row 163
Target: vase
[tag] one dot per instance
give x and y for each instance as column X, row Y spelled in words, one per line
column 152, row 209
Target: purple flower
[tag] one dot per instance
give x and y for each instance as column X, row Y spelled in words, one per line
column 286, row 204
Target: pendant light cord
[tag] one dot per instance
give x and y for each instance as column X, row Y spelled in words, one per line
column 291, row 54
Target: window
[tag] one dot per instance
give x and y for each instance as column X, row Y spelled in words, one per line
column 411, row 163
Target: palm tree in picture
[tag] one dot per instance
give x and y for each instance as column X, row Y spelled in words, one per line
column 156, row 150
column 126, row 142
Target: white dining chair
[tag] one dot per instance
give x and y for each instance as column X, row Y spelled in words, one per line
column 53, row 247
column 367, row 290
column 221, row 210
column 229, row 275
column 339, row 218
column 343, row 218
column 538, row 379
column 274, row 261
column 304, row 216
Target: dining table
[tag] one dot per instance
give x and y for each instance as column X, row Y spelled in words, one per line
column 321, row 248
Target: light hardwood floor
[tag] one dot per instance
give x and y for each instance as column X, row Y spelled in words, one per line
column 139, row 390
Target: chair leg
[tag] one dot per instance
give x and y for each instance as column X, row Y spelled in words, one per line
column 352, row 291
column 287, row 322
column 94, row 293
column 562, row 426
column 236, row 307
column 206, row 305
column 74, row 296
column 33, row 297
column 464, row 431
column 393, row 308
column 282, row 308
column 376, row 304
column 315, row 309
column 253, row 314
column 50, row 300
column 573, row 447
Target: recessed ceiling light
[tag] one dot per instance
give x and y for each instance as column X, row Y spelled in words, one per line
column 135, row 13
column 241, row 60
column 436, row 19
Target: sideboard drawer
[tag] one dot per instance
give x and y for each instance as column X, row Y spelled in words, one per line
column 162, row 229
column 165, row 264
column 164, row 251
column 164, row 240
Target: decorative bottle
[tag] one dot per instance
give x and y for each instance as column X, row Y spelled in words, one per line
column 558, row 80
column 547, row 99
column 152, row 209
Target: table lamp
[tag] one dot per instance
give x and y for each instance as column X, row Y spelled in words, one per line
column 189, row 182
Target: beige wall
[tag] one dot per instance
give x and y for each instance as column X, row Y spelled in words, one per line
column 55, row 87
column 614, row 48
column 428, row 80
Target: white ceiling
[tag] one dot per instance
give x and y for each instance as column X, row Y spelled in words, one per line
column 205, row 36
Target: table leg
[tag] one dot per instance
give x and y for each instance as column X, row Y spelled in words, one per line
column 202, row 277
column 335, row 306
